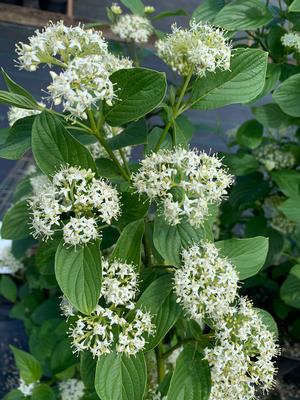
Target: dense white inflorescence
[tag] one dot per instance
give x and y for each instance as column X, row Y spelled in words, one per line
column 96, row 332
column 26, row 388
column 119, row 283
column 242, row 356
column 133, row 28
column 206, row 284
column 198, row 50
column 71, row 389
column 9, row 264
column 273, row 157
column 183, row 182
column 67, row 308
column 16, row 113
column 73, row 190
column 38, row 182
column 292, row 40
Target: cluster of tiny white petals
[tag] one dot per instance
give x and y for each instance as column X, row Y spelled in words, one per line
column 85, row 82
column 273, row 157
column 119, row 283
column 38, row 182
column 206, row 284
column 292, row 40
column 16, row 113
column 133, row 28
column 71, row 389
column 73, row 190
column 26, row 388
column 184, row 182
column 243, row 354
column 197, row 50
column 59, row 44
column 276, row 218
column 98, row 151
column 9, row 264
column 96, row 332
column 67, row 308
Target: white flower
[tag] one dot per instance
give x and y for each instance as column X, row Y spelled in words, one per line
column 292, row 40
column 16, row 113
column 273, row 157
column 38, row 182
column 9, row 264
column 183, row 182
column 242, row 356
column 97, row 151
column 67, row 308
column 86, row 82
column 206, row 284
column 73, row 190
column 132, row 336
column 198, row 50
column 119, row 282
column 26, row 388
column 71, row 389
column 135, row 28
column 59, row 44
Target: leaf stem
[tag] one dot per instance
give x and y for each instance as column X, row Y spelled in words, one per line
column 159, row 363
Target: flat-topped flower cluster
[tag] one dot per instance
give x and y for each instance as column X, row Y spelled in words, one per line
column 292, row 40
column 273, row 157
column 74, row 201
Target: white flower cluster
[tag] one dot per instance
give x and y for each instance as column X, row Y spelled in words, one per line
column 206, row 284
column 133, row 28
column 96, row 332
column 184, row 182
column 38, row 181
column 16, row 113
column 86, row 82
column 242, row 356
column 277, row 219
column 26, row 388
column 292, row 40
column 273, row 157
column 60, row 44
column 9, row 264
column 97, row 151
column 119, row 283
column 71, row 389
column 198, row 50
column 77, row 191
column 66, row 308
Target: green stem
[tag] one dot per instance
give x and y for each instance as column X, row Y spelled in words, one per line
column 147, row 249
column 160, row 364
column 125, row 163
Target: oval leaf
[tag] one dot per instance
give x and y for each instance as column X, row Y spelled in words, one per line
column 287, row 96
column 29, row 367
column 16, row 221
column 290, row 290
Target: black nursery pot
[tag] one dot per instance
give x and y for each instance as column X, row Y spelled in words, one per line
column 15, row 2
column 59, row 6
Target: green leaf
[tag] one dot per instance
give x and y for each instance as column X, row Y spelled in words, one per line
column 15, row 224
column 121, row 378
column 133, row 134
column 15, row 394
column 250, row 134
column 291, row 209
column 19, row 139
column 78, row 273
column 295, row 6
column 287, row 95
column 240, row 15
column 268, row 321
column 128, row 246
column 241, row 84
column 272, row 77
column 135, row 6
column 290, row 290
column 288, row 182
column 8, row 288
column 133, row 207
column 43, row 392
column 241, row 164
column 208, row 10
column 271, row 116
column 247, row 255
column 62, row 357
column 191, row 378
column 53, row 146
column 275, row 45
column 153, row 138
column 161, row 302
column 140, row 90
column 169, row 240
column 13, row 87
column 29, row 367
column 88, row 369
column 18, row 100
column 166, row 14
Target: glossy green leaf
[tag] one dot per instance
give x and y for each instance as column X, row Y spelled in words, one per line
column 43, row 392
column 78, row 273
column 139, row 91
column 268, row 321
column 132, row 135
column 16, row 222
column 287, row 95
column 53, row 146
column 247, row 255
column 241, row 164
column 29, row 367
column 208, row 10
column 290, row 290
column 250, row 134
column 121, row 378
column 17, row 100
column 88, row 369
column 166, row 14
column 288, row 182
column 291, row 209
column 135, row 6
column 295, row 6
column 8, row 288
column 14, row 87
column 271, row 116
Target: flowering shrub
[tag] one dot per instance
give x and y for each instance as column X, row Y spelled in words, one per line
column 150, row 304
